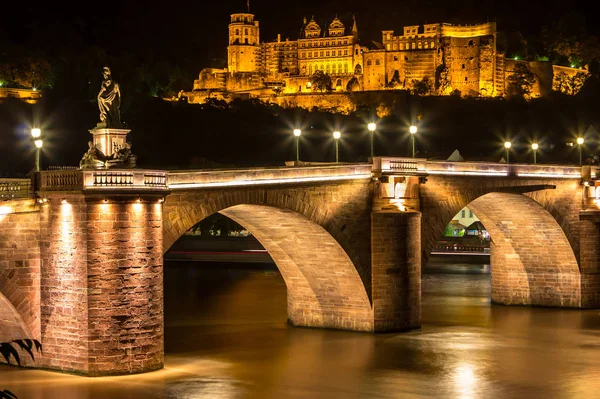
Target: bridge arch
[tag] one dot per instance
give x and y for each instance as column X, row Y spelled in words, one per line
column 532, row 260
column 324, row 286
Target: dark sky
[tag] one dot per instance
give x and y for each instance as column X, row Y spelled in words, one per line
column 195, row 31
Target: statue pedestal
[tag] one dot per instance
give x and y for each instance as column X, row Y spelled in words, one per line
column 109, row 140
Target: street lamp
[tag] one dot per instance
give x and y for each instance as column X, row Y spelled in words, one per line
column 37, row 134
column 413, row 131
column 534, row 147
column 507, row 145
column 336, row 136
column 372, row 126
column 297, row 133
column 579, row 143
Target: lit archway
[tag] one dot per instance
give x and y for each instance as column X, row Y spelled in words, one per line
column 324, row 288
column 532, row 261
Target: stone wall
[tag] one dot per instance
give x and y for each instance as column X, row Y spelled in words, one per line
column 20, row 268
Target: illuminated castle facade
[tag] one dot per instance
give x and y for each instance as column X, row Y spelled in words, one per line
column 436, row 58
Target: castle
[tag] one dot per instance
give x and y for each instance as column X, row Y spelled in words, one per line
column 435, row 58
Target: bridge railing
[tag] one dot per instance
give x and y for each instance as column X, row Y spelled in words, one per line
column 15, row 188
column 410, row 166
column 104, row 180
column 267, row 176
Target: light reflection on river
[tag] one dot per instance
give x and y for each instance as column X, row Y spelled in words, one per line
column 227, row 337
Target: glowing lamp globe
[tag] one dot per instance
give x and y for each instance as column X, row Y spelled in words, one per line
column 337, row 135
column 297, row 132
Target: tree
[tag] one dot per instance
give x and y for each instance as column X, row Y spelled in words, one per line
column 570, row 85
column 422, row 87
column 321, row 81
column 521, row 81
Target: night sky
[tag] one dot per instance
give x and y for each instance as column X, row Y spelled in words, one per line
column 194, row 32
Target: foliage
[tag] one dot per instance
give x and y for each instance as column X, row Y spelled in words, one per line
column 321, row 81
column 570, row 85
column 521, row 81
column 217, row 225
column 422, row 87
column 8, row 351
column 395, row 80
column 442, row 83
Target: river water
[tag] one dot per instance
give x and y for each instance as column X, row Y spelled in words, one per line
column 226, row 337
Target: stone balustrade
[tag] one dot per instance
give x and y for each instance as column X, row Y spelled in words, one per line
column 15, row 188
column 411, row 166
column 104, row 180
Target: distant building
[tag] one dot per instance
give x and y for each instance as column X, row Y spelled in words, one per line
column 30, row 96
column 435, row 58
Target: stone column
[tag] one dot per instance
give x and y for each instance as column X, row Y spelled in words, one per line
column 125, row 285
column 101, row 283
column 589, row 258
column 396, row 270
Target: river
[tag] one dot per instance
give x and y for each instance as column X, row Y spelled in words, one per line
column 226, row 337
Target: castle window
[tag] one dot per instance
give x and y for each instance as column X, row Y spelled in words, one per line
column 395, row 46
column 466, row 79
column 388, row 47
column 432, row 45
column 405, row 58
column 426, row 45
column 246, row 31
column 309, row 54
column 345, row 68
column 345, row 52
column 339, row 52
column 413, row 45
column 334, row 71
column 321, row 53
column 395, row 58
column 369, row 62
column 470, row 42
column 237, row 32
column 246, row 40
column 377, row 62
column 327, row 53
column 345, row 42
column 389, row 36
column 327, row 43
column 303, row 54
column 420, row 45
column 463, row 66
column 339, row 42
column 356, row 52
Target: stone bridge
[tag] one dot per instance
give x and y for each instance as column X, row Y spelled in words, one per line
column 81, row 251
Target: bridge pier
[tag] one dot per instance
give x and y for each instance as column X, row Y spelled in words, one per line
column 101, row 280
column 590, row 258
column 396, row 270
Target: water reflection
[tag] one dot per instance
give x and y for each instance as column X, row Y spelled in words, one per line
column 227, row 337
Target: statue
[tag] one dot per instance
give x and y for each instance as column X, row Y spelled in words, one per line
column 93, row 157
column 109, row 101
column 122, row 157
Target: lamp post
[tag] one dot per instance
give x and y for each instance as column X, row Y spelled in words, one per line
column 413, row 131
column 372, row 126
column 579, row 143
column 336, row 136
column 507, row 145
column 37, row 134
column 297, row 133
column 534, row 147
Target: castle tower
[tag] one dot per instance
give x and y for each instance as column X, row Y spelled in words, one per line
column 244, row 43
